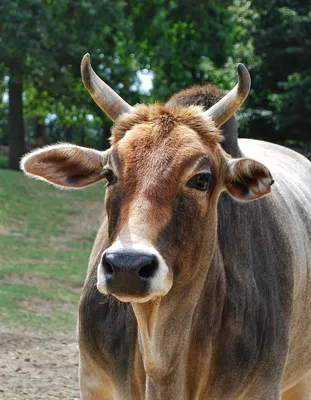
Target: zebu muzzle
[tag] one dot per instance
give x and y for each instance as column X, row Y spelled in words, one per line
column 133, row 273
column 129, row 273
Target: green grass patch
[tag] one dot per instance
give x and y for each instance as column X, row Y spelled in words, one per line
column 4, row 162
column 44, row 250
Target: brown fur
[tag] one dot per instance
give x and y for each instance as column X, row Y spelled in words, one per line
column 206, row 96
column 163, row 119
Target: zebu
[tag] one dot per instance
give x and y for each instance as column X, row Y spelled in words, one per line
column 198, row 285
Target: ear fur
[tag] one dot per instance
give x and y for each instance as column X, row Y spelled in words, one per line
column 247, row 179
column 65, row 165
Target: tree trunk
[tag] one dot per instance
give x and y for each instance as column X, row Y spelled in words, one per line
column 16, row 123
column 105, row 144
column 40, row 134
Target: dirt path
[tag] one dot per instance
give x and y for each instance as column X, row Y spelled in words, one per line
column 37, row 366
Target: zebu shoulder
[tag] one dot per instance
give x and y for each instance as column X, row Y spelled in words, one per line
column 266, row 244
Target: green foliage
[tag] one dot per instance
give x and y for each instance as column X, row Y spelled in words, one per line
column 42, row 44
column 282, row 77
column 175, row 35
column 53, row 35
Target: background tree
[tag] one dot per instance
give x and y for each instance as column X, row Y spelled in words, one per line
column 176, row 35
column 42, row 43
column 282, row 100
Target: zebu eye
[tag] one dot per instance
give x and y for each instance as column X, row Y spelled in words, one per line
column 200, row 181
column 109, row 176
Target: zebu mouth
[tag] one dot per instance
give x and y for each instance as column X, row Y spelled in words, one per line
column 134, row 299
column 123, row 286
column 134, row 296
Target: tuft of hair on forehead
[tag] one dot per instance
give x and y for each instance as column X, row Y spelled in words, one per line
column 163, row 119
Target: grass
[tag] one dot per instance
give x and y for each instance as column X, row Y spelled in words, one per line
column 46, row 236
column 3, row 161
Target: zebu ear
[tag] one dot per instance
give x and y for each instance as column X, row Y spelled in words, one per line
column 247, row 179
column 65, row 165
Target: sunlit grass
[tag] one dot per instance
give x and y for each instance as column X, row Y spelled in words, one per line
column 44, row 250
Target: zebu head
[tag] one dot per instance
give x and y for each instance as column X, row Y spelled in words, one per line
column 165, row 171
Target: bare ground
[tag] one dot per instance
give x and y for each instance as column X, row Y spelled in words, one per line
column 38, row 366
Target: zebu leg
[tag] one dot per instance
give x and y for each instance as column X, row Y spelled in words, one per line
column 94, row 384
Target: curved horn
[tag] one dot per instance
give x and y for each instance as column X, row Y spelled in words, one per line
column 228, row 105
column 106, row 98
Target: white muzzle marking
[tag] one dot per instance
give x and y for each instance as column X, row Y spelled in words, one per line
column 158, row 285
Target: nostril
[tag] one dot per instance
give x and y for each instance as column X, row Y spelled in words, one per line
column 108, row 269
column 148, row 270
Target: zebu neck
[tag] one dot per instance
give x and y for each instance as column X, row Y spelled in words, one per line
column 170, row 335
